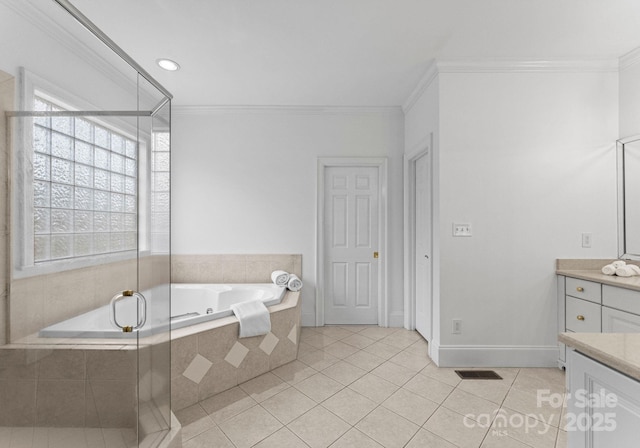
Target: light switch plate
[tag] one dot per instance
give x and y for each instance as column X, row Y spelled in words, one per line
column 461, row 229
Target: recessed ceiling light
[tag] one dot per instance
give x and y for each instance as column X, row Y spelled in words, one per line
column 168, row 64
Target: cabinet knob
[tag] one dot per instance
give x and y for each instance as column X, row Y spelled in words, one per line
column 580, row 317
column 579, row 289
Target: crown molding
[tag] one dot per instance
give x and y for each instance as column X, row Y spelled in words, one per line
column 528, row 66
column 286, row 110
column 423, row 84
column 39, row 18
column 629, row 59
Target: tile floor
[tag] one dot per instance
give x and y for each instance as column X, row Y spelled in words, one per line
column 364, row 386
column 29, row 437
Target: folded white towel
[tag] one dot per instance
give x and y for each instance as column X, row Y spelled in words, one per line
column 294, row 284
column 280, row 278
column 618, row 263
column 609, row 269
column 628, row 270
column 253, row 317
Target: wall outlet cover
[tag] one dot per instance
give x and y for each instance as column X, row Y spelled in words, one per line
column 461, row 229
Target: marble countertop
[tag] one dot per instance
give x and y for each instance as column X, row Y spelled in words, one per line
column 591, row 269
column 620, row 351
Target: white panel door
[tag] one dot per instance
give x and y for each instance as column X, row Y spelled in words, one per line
column 422, row 275
column 351, row 236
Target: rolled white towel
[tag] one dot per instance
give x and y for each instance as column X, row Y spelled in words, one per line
column 618, row 264
column 628, row 270
column 280, row 278
column 609, row 269
column 294, row 284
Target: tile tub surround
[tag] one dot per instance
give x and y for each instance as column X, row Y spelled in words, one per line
column 215, row 268
column 68, row 387
column 39, row 301
column 209, row 358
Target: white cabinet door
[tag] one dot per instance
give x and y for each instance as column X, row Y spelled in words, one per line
column 351, row 238
column 601, row 426
column 616, row 321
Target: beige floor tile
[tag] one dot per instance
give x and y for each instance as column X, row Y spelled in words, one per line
column 212, row 437
column 525, row 429
column 355, row 328
column 410, row 406
column 377, row 333
column 496, row 440
column 319, row 428
column 283, row 438
column 401, row 339
column 393, row 373
column 387, row 428
column 561, row 440
column 411, row 360
column 364, row 360
column 374, row 388
column 455, row 428
column 382, row 350
column 355, row 439
column 305, row 349
column 318, row 360
column 227, row 404
column 349, row 405
column 492, row 390
column 317, row 340
column 420, row 347
column 527, row 402
column 427, row 439
column 428, row 388
column 358, row 341
column 288, row 405
column 319, row 387
column 250, row 427
column 533, row 379
column 442, row 374
column 194, row 421
column 340, row 349
column 476, row 408
column 334, row 332
column 508, row 374
column 264, row 386
column 295, row 371
column 344, row 373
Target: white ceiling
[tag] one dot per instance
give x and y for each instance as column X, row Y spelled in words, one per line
column 348, row 52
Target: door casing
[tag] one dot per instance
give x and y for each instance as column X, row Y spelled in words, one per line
column 381, row 164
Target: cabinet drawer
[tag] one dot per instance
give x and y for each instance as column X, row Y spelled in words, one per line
column 584, row 289
column 616, row 321
column 583, row 316
column 621, row 298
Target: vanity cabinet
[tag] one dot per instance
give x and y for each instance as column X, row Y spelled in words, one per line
column 586, row 306
column 604, row 405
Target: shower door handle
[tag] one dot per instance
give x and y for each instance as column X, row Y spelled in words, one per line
column 142, row 310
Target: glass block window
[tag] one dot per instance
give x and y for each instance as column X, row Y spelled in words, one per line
column 160, row 192
column 84, row 188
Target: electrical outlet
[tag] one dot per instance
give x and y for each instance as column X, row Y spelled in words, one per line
column 456, row 327
column 461, row 229
column 586, row 240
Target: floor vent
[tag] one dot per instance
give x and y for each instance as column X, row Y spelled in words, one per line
column 478, row 375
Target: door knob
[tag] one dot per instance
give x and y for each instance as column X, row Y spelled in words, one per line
column 376, row 255
column 426, row 256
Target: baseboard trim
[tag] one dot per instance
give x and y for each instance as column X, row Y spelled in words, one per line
column 308, row 320
column 495, row 356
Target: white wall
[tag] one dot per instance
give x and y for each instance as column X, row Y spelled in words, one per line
column 244, row 182
column 630, row 94
column 528, row 159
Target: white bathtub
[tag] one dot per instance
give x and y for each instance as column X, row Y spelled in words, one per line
column 191, row 303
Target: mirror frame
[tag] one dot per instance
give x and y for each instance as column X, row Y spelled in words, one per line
column 620, row 179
